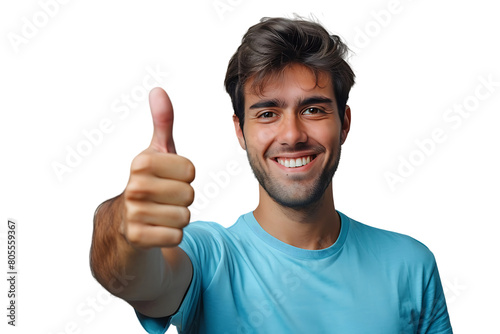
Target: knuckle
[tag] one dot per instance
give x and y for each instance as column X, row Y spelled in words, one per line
column 190, row 171
column 176, row 237
column 134, row 234
column 188, row 195
column 141, row 163
column 136, row 188
column 183, row 216
column 134, row 212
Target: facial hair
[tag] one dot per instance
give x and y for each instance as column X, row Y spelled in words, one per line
column 279, row 193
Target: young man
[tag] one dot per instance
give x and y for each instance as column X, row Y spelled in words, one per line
column 294, row 264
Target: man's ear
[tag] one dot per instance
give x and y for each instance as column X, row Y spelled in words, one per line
column 239, row 132
column 346, row 126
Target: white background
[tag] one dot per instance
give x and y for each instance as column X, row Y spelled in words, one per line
column 414, row 61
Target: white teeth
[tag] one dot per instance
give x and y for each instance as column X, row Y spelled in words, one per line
column 298, row 162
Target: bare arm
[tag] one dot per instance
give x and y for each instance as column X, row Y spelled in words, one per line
column 134, row 252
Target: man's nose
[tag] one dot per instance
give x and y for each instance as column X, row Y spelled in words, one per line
column 291, row 131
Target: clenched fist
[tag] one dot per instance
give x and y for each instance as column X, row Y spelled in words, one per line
column 158, row 192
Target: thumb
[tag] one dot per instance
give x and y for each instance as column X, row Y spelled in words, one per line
column 163, row 121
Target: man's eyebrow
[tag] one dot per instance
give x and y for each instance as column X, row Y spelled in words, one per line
column 271, row 103
column 314, row 100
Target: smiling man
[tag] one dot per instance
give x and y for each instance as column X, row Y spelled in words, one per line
column 294, row 135
column 293, row 265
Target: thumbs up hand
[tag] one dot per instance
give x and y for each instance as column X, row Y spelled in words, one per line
column 158, row 192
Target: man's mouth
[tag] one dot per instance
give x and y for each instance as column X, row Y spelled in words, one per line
column 295, row 162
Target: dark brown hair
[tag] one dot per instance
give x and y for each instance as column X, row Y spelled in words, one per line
column 275, row 43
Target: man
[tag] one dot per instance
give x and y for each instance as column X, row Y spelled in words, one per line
column 294, row 264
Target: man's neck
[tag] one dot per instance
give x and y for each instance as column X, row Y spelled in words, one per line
column 313, row 227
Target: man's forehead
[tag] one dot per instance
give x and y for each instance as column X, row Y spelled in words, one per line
column 295, row 75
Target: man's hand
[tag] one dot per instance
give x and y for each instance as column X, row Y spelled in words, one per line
column 158, row 191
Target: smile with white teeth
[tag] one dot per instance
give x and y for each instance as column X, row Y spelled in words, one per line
column 295, row 162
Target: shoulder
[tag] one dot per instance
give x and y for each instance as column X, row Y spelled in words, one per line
column 200, row 235
column 391, row 245
column 210, row 231
column 209, row 238
column 209, row 246
column 204, row 229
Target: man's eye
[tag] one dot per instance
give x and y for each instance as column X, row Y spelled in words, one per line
column 267, row 114
column 312, row 110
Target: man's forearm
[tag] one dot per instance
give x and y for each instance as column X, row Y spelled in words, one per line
column 125, row 271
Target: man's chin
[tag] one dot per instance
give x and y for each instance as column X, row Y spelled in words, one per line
column 295, row 203
column 300, row 198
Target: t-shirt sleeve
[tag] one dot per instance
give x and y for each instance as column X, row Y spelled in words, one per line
column 154, row 325
column 434, row 318
column 201, row 242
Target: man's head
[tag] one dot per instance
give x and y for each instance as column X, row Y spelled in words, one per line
column 289, row 86
column 274, row 44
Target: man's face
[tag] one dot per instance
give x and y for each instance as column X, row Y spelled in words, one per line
column 293, row 134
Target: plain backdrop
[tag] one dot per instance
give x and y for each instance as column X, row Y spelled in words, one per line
column 421, row 158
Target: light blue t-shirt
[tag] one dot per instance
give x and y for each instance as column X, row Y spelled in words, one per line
column 370, row 281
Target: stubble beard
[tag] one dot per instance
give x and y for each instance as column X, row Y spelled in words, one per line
column 279, row 193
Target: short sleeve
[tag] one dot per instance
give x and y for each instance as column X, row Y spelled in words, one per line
column 154, row 325
column 434, row 318
column 202, row 245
